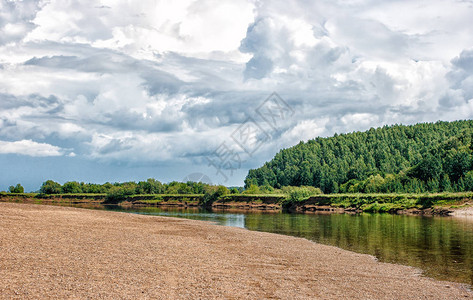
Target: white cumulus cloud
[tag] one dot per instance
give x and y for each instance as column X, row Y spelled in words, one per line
column 30, row 148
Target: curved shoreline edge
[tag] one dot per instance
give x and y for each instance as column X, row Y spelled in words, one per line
column 64, row 252
column 441, row 204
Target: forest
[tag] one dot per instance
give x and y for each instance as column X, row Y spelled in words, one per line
column 426, row 157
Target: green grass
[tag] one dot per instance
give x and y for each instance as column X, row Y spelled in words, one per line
column 22, row 195
column 256, row 195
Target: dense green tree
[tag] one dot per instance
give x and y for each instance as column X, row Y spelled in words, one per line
column 50, row 187
column 374, row 184
column 433, row 185
column 445, row 184
column 222, row 190
column 457, row 163
column 468, row 181
column 71, row 187
column 16, row 189
column 93, row 188
column 429, row 168
column 459, row 186
column 150, row 186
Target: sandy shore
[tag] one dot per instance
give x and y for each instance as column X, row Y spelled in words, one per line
column 62, row 252
column 466, row 211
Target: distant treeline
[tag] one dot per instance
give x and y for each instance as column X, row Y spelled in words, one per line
column 121, row 190
column 116, row 192
column 426, row 157
column 150, row 186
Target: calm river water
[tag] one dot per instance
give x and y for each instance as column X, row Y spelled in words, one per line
column 441, row 246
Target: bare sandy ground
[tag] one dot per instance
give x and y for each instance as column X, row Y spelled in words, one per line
column 466, row 211
column 70, row 253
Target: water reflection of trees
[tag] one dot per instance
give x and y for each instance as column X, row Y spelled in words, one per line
column 442, row 247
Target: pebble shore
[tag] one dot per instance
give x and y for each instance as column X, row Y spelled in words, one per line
column 49, row 252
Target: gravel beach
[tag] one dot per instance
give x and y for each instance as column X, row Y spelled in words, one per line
column 70, row 253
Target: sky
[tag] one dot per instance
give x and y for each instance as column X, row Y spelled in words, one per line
column 99, row 91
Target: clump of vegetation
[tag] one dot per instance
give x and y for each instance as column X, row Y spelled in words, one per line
column 300, row 193
column 50, row 187
column 119, row 193
column 212, row 193
column 296, row 194
column 71, row 187
column 16, row 189
column 253, row 189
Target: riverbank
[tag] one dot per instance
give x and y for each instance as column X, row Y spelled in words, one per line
column 463, row 211
column 414, row 204
column 63, row 252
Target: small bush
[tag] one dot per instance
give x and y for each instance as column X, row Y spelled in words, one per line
column 253, row 189
column 296, row 194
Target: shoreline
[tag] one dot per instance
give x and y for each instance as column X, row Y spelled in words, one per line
column 246, row 204
column 65, row 252
column 437, row 204
column 463, row 212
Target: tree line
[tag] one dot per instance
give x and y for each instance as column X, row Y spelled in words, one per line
column 150, row 186
column 426, row 157
column 117, row 191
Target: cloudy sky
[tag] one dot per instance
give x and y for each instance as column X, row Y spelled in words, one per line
column 100, row 91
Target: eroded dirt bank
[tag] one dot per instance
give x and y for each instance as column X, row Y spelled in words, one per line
column 62, row 252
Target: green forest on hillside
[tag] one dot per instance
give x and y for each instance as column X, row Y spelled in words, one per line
column 426, row 157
